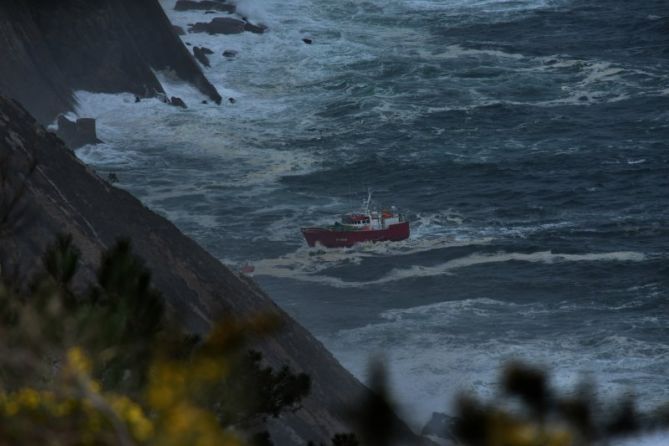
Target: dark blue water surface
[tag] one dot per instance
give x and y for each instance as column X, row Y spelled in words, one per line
column 528, row 141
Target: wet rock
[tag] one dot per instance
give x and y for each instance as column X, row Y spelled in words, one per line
column 137, row 99
column 230, row 54
column 179, row 30
column 257, row 29
column 204, row 5
column 219, row 25
column 86, row 131
column 232, row 100
column 79, row 133
column 226, row 25
column 307, row 41
column 177, row 102
column 112, row 178
column 201, row 55
column 66, row 129
column 108, row 46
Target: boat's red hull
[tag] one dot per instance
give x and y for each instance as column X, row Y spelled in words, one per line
column 331, row 238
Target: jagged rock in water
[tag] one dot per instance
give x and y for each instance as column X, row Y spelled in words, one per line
column 51, row 49
column 190, row 5
column 79, row 133
column 257, row 29
column 179, row 30
column 177, row 102
column 226, row 25
column 201, row 55
column 66, row 129
column 219, row 25
column 86, row 131
column 307, row 40
column 230, row 54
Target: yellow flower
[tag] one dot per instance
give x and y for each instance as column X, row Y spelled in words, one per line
column 29, row 398
column 77, row 361
column 133, row 415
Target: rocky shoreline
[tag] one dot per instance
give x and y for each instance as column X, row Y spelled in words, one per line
column 52, row 50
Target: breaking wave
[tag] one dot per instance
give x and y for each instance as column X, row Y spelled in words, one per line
column 309, row 266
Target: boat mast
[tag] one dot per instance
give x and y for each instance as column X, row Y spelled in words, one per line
column 367, row 203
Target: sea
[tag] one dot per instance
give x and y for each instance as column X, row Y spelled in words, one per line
column 527, row 141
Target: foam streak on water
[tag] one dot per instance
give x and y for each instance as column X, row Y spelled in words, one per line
column 526, row 140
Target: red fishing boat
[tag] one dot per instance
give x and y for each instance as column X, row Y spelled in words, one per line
column 359, row 227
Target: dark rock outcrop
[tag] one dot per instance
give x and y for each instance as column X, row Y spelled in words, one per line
column 219, row 25
column 63, row 195
column 226, row 25
column 204, row 5
column 178, row 30
column 51, row 49
column 79, row 133
column 86, row 131
column 200, row 54
column 177, row 102
column 257, row 29
column 230, row 54
column 307, row 40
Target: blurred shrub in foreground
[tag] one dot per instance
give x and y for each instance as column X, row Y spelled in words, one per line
column 528, row 414
column 109, row 366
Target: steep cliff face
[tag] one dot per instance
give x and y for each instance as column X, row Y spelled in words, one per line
column 61, row 195
column 49, row 49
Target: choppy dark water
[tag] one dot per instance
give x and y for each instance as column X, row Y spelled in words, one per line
column 528, row 141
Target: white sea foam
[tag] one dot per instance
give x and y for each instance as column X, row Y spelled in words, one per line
column 130, row 128
column 547, row 257
column 306, row 264
column 439, row 350
column 481, row 6
column 458, row 51
column 585, row 82
column 106, row 156
column 310, row 266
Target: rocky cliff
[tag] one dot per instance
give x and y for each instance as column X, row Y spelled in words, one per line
column 49, row 49
column 61, row 195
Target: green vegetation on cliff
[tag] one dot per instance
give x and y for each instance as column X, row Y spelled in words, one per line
column 110, row 365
